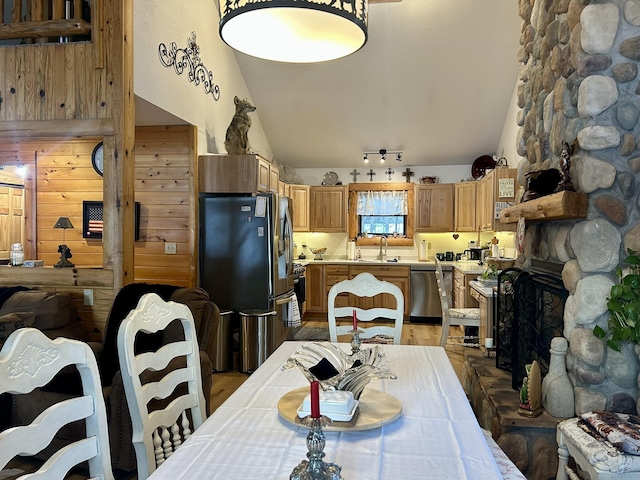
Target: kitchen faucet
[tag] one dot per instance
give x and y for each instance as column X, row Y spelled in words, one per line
column 383, row 256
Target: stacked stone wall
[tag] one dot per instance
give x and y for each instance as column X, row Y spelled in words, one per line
column 579, row 83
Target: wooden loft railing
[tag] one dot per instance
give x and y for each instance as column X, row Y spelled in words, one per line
column 42, row 19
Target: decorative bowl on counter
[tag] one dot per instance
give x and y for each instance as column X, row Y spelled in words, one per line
column 318, row 252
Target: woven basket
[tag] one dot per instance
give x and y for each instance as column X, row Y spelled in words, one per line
column 501, row 263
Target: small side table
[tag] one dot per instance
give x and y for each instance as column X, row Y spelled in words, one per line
column 600, row 460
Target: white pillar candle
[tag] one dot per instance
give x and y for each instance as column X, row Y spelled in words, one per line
column 488, row 342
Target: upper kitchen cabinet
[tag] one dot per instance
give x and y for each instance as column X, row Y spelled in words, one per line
column 237, row 174
column 299, row 195
column 434, row 207
column 495, row 191
column 328, row 207
column 465, row 207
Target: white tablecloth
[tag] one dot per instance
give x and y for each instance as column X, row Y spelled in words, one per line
column 436, row 437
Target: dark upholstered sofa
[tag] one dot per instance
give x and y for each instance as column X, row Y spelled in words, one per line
column 25, row 408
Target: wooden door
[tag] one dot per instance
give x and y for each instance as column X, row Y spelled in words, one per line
column 434, row 208
column 329, row 209
column 316, row 298
column 465, row 207
column 12, row 224
column 300, row 197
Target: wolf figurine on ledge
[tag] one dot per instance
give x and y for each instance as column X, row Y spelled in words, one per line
column 237, row 141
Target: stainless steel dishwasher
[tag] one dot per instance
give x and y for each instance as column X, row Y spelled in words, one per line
column 425, row 302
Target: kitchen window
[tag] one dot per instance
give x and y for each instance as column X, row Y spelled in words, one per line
column 377, row 209
column 382, row 213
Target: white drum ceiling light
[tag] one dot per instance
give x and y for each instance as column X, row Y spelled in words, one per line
column 294, row 31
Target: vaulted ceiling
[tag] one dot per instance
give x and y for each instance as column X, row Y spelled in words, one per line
column 434, row 80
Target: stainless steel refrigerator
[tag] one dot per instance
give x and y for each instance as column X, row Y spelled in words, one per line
column 246, row 260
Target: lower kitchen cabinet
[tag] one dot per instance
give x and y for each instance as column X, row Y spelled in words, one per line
column 486, row 314
column 460, row 290
column 316, row 293
column 336, row 273
column 320, row 279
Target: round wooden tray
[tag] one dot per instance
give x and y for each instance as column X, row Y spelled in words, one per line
column 375, row 410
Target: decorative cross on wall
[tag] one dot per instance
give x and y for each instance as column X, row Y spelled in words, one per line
column 355, row 174
column 389, row 172
column 407, row 174
column 371, row 173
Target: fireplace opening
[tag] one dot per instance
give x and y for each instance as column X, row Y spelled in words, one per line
column 530, row 312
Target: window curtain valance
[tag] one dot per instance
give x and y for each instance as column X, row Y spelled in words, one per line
column 382, row 203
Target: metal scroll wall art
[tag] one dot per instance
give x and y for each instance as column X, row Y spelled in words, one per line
column 188, row 59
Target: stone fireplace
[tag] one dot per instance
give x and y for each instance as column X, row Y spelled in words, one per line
column 579, row 83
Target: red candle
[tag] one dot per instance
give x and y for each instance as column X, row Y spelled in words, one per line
column 355, row 321
column 315, row 400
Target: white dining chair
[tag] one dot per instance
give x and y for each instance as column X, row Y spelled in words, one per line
column 463, row 317
column 29, row 360
column 164, row 387
column 365, row 285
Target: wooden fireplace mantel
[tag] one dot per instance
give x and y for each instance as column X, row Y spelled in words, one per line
column 564, row 205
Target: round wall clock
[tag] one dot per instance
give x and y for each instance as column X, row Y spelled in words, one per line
column 97, row 159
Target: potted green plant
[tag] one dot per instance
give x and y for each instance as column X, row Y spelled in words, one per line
column 624, row 306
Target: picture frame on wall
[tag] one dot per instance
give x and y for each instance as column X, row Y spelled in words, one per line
column 92, row 219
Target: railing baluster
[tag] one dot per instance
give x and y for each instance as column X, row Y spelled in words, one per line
column 16, row 11
column 58, row 10
column 77, row 9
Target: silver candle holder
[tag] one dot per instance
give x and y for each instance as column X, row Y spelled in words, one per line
column 355, row 341
column 315, row 468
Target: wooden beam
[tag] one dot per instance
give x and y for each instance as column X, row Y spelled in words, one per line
column 96, row 127
column 47, row 28
column 119, row 185
column 558, row 206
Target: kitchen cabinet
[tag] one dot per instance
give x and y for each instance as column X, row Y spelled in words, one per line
column 299, row 195
column 486, row 312
column 237, row 174
column 465, row 207
column 434, row 207
column 398, row 275
column 315, row 292
column 460, row 290
column 496, row 190
column 320, row 279
column 336, row 273
column 328, row 209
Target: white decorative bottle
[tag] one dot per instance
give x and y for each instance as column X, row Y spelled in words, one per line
column 557, row 389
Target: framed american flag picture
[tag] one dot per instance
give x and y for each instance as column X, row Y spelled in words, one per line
column 92, row 221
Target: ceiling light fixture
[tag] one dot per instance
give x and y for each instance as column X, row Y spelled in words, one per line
column 383, row 155
column 294, row 31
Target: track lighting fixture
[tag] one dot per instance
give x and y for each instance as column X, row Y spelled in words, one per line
column 383, row 155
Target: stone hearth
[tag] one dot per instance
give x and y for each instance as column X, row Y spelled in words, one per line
column 529, row 442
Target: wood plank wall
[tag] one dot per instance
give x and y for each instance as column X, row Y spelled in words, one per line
column 53, row 81
column 164, row 187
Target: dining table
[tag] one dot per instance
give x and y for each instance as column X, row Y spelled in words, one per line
column 435, row 434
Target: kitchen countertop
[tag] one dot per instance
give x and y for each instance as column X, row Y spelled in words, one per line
column 467, row 267
column 481, row 288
